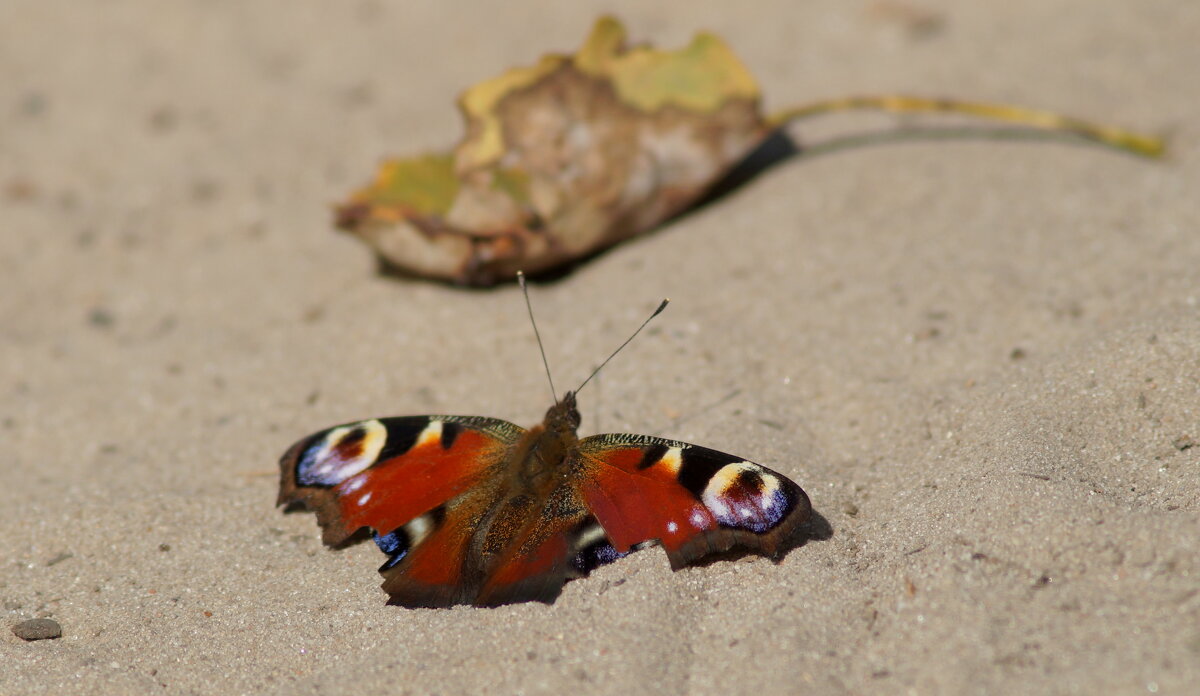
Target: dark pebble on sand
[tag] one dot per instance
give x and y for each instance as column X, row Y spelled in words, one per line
column 37, row 629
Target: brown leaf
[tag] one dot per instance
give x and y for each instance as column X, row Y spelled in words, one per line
column 564, row 158
column 579, row 152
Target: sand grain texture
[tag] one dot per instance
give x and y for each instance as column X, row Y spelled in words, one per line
column 980, row 357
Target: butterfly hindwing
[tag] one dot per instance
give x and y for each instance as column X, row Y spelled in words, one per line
column 488, row 547
column 427, row 564
column 695, row 501
column 384, row 473
column 558, row 541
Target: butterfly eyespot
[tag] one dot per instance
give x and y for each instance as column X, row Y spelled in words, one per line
column 746, row 496
column 341, row 454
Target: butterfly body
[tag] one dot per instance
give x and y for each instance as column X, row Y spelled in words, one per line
column 473, row 510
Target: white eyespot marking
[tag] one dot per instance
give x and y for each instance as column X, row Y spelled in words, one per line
column 672, row 459
column 431, row 435
column 698, row 519
column 746, row 496
column 362, row 499
column 417, row 529
column 343, row 452
column 714, row 496
column 672, row 527
column 354, row 482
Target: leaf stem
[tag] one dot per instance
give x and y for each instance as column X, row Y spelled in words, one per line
column 1144, row 145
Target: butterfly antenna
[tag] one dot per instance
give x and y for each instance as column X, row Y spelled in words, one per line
column 656, row 312
column 537, row 335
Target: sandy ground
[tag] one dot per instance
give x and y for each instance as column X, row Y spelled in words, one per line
column 980, row 357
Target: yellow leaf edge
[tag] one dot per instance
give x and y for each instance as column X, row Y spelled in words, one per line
column 700, row 77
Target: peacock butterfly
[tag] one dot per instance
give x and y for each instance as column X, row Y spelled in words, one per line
column 474, row 510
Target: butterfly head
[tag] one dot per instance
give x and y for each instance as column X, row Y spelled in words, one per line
column 563, row 417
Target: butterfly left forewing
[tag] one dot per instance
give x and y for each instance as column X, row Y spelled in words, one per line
column 383, row 473
column 695, row 501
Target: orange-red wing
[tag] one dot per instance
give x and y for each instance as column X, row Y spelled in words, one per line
column 428, row 556
column 381, row 474
column 694, row 500
column 536, row 572
column 526, row 553
column 546, row 550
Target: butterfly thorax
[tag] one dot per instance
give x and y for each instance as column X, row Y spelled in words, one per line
column 533, row 488
column 545, row 447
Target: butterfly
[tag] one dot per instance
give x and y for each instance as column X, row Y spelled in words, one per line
column 475, row 510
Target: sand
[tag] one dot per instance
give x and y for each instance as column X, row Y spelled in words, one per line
column 980, row 356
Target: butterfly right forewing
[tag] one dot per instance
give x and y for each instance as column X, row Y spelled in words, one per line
column 694, row 500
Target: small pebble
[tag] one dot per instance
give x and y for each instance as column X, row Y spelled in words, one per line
column 37, row 629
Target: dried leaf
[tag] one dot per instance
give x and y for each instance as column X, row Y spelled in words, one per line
column 578, row 152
